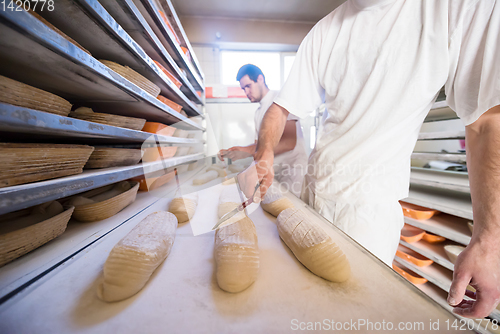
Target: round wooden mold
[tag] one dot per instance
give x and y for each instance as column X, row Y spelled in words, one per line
column 25, row 163
column 109, row 119
column 133, row 77
column 20, row 242
column 22, row 95
column 104, row 157
column 105, row 209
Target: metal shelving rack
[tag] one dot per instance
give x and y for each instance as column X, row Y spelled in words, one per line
column 22, row 123
column 106, row 39
column 128, row 16
column 26, row 195
column 445, row 191
column 33, row 53
column 149, row 10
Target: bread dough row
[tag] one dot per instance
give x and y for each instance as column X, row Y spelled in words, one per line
column 133, row 260
column 312, row 246
column 184, row 207
column 236, row 249
column 274, row 202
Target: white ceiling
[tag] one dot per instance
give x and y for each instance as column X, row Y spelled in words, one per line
column 280, row 10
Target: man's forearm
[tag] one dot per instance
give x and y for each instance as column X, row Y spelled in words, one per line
column 479, row 264
column 271, row 128
column 288, row 139
column 483, row 161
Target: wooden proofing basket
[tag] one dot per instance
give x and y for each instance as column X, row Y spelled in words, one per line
column 113, row 120
column 104, row 157
column 17, row 243
column 108, row 208
column 22, row 95
column 25, row 163
column 133, row 77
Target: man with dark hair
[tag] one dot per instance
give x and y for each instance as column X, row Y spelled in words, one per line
column 378, row 65
column 291, row 157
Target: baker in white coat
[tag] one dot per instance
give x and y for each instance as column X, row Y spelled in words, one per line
column 290, row 161
column 378, row 65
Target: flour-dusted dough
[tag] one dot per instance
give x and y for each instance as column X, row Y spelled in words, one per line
column 312, row 246
column 205, row 177
column 236, row 168
column 236, row 250
column 117, row 189
column 274, row 202
column 79, row 200
column 184, row 207
column 134, row 258
column 230, row 179
column 34, row 216
column 220, row 170
column 229, row 199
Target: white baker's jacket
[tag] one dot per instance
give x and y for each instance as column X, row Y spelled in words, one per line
column 378, row 65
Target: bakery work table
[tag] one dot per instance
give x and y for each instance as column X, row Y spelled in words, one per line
column 182, row 296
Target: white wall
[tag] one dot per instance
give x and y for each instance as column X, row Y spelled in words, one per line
column 232, row 124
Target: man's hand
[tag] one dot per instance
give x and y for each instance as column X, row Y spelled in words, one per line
column 479, row 266
column 237, row 152
column 261, row 170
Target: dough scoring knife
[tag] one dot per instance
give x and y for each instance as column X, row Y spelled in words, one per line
column 238, row 209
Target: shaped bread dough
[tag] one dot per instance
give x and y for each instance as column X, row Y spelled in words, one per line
column 274, row 202
column 218, row 169
column 205, row 177
column 229, row 199
column 236, row 168
column 117, row 189
column 230, row 179
column 184, row 207
column 36, row 215
column 312, row 246
column 236, row 250
column 134, row 258
column 79, row 200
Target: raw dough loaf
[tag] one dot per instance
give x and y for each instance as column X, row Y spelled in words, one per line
column 205, row 177
column 79, row 200
column 236, row 250
column 134, row 258
column 312, row 246
column 218, row 169
column 274, row 202
column 230, row 179
column 29, row 217
column 117, row 189
column 184, row 207
column 236, row 168
column 229, row 199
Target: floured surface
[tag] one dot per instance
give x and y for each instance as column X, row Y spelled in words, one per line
column 182, row 296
